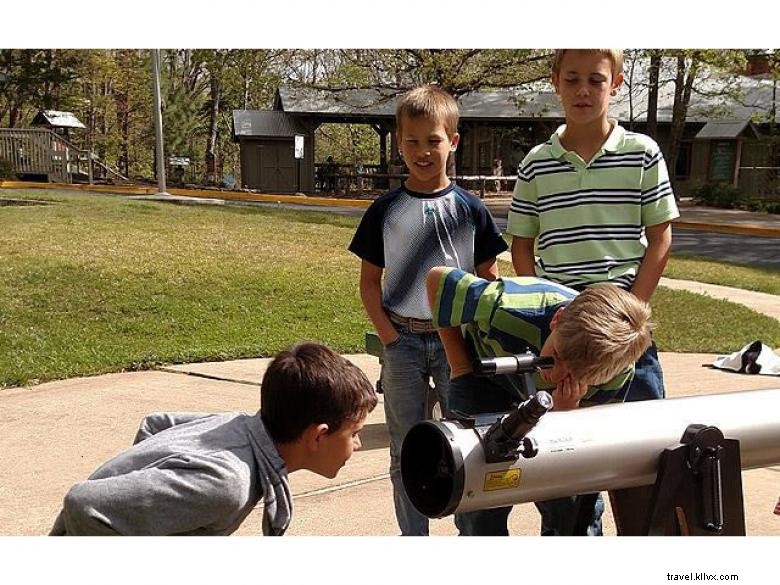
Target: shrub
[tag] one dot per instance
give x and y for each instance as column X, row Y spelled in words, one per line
column 722, row 195
column 6, row 170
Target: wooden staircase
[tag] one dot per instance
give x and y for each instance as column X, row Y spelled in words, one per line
column 41, row 152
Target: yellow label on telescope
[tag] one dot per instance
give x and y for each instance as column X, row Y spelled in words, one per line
column 502, row 480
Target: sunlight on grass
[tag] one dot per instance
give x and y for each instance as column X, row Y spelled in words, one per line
column 724, row 273
column 99, row 283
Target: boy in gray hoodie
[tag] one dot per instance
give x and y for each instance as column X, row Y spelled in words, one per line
column 202, row 474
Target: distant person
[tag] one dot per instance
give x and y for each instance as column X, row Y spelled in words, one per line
column 594, row 202
column 331, row 170
column 359, row 180
column 395, row 169
column 426, row 222
column 203, row 474
column 498, row 171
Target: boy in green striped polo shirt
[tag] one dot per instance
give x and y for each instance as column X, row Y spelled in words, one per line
column 595, row 199
column 595, row 337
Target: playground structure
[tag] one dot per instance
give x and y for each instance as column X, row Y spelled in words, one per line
column 42, row 153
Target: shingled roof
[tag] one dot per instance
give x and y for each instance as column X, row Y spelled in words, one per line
column 57, row 119
column 531, row 103
column 265, row 123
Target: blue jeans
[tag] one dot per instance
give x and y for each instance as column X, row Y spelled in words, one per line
column 647, row 384
column 407, row 366
column 568, row 516
column 648, row 380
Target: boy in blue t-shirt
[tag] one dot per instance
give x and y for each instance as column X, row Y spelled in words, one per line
column 427, row 222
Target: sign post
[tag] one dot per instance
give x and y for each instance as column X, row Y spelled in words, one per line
column 298, row 156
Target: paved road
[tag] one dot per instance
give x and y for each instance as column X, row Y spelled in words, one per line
column 741, row 249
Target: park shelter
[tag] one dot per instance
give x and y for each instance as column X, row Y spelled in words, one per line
column 505, row 124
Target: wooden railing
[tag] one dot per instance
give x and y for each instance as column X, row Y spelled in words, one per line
column 39, row 151
column 351, row 183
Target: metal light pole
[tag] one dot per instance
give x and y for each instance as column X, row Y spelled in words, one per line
column 158, row 125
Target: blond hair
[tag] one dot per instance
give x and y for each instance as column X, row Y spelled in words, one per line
column 614, row 55
column 603, row 331
column 431, row 102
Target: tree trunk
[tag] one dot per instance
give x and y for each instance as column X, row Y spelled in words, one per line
column 122, row 120
column 13, row 115
column 211, row 142
column 682, row 99
column 652, row 96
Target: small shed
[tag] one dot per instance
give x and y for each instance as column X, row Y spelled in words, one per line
column 267, row 141
column 724, row 140
column 59, row 122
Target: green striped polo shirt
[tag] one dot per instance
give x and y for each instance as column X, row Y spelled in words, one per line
column 589, row 218
column 510, row 316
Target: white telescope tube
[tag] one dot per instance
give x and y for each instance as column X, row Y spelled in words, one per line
column 580, row 451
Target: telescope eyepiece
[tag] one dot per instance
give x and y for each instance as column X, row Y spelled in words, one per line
column 506, row 438
column 518, row 423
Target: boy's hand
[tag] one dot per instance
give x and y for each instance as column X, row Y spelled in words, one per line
column 458, row 371
column 568, row 393
column 388, row 336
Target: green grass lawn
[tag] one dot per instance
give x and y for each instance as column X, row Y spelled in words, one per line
column 724, row 273
column 97, row 283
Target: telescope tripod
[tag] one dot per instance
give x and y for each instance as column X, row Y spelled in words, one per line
column 698, row 491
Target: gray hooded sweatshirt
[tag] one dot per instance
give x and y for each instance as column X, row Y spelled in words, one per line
column 186, row 474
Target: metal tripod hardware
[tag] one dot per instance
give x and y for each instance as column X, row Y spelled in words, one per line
column 705, row 446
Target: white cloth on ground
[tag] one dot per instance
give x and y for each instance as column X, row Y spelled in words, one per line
column 754, row 358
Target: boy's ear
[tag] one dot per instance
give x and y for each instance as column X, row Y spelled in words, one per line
column 556, row 318
column 313, row 435
column 618, row 80
column 454, row 141
column 554, row 81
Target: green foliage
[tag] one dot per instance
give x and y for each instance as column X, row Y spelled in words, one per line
column 181, row 123
column 37, row 79
column 772, row 207
column 724, row 195
column 347, row 143
column 458, row 71
column 6, row 170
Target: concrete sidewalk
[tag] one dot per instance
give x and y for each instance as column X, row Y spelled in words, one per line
column 56, row 434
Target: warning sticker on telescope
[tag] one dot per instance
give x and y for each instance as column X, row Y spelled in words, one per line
column 502, row 480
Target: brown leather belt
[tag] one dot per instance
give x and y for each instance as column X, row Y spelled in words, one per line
column 411, row 324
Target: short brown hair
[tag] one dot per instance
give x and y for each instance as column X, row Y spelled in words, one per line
column 614, row 55
column 432, row 102
column 311, row 384
column 603, row 331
